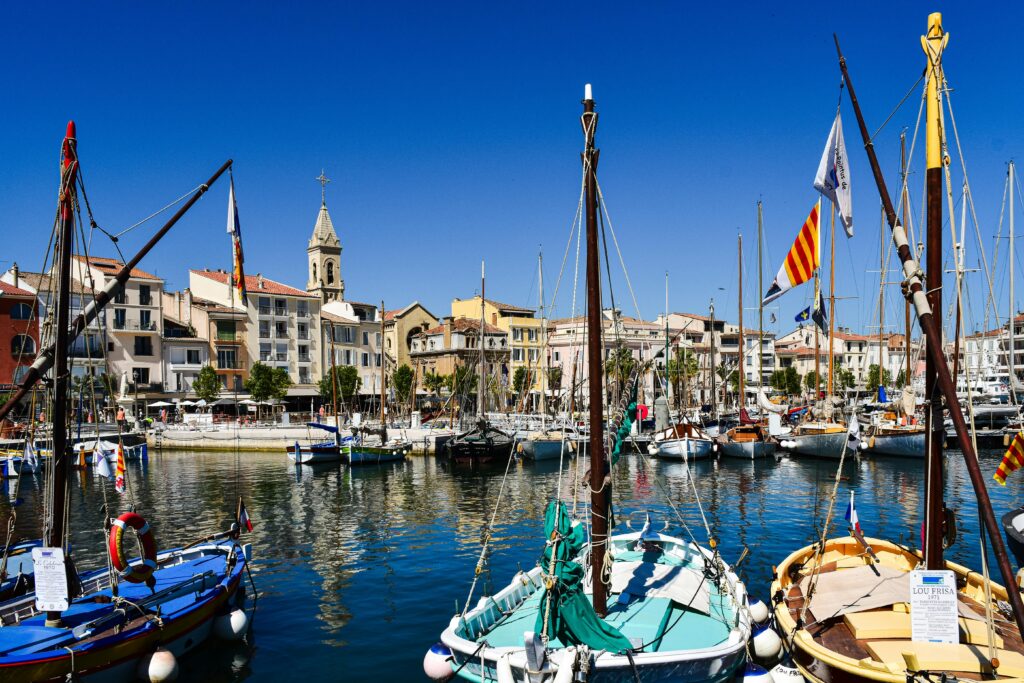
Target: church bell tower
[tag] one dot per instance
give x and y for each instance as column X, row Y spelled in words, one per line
column 324, row 253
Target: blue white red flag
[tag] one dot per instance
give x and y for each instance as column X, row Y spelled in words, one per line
column 235, row 230
column 851, row 515
column 244, row 522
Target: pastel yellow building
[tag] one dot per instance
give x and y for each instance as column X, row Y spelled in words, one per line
column 523, row 330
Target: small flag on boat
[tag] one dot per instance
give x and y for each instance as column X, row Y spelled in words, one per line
column 30, row 455
column 235, row 230
column 1012, row 460
column 119, row 473
column 816, row 313
column 833, row 176
column 851, row 516
column 244, row 522
column 101, row 463
column 853, row 434
column 802, row 259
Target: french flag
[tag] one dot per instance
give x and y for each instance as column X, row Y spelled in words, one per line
column 851, row 515
column 244, row 522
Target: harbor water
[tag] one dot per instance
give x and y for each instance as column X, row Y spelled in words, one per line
column 358, row 570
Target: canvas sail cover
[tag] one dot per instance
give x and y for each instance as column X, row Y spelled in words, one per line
column 570, row 615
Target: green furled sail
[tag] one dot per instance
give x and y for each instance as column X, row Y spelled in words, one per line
column 569, row 615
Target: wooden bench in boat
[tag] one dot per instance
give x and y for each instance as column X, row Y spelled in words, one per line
column 896, row 624
column 899, row 655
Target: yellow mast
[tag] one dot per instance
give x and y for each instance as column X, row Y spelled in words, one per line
column 831, row 302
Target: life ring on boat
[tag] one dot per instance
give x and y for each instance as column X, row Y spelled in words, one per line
column 141, row 571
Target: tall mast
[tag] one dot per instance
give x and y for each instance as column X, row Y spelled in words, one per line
column 383, row 359
column 743, row 352
column 832, row 304
column 881, row 302
column 598, row 488
column 760, row 305
column 66, row 227
column 932, row 336
column 1013, row 301
column 334, row 382
column 933, row 44
column 481, row 409
column 714, row 383
column 543, row 341
column 905, row 200
column 667, row 340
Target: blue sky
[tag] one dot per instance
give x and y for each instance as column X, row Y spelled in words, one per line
column 451, row 133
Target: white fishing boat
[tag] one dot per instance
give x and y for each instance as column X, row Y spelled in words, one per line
column 683, row 441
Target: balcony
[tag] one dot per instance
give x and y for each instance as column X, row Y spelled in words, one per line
column 301, row 314
column 144, row 387
column 264, row 310
column 305, row 358
column 134, row 326
column 145, row 299
column 281, row 311
column 228, row 338
column 235, row 364
column 177, row 333
column 82, row 350
column 302, row 336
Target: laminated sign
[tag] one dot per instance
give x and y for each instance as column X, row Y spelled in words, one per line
column 51, row 579
column 933, row 606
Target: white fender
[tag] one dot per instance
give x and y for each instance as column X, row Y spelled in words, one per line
column 437, row 663
column 566, row 666
column 785, row 672
column 755, row 673
column 159, row 667
column 231, row 626
column 767, row 643
column 505, row 670
column 758, row 610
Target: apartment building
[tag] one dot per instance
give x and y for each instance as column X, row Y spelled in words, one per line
column 350, row 335
column 524, row 331
column 19, row 333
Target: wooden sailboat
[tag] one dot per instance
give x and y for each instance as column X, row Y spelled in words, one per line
column 654, row 608
column 843, row 605
column 558, row 440
column 110, row 624
column 366, row 452
column 751, row 440
column 897, row 433
column 484, row 442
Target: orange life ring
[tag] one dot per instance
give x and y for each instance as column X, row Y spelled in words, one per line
column 139, row 572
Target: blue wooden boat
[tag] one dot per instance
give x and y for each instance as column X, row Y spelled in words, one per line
column 334, row 449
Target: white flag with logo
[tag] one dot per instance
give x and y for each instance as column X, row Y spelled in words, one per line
column 853, row 434
column 833, row 177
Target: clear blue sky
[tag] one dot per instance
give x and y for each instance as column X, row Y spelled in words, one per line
column 451, row 133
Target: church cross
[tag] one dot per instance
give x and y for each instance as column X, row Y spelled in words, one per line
column 323, row 187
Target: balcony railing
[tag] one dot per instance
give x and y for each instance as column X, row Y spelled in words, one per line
column 273, row 357
column 264, row 310
column 134, row 325
column 302, row 314
column 86, row 351
column 228, row 337
column 145, row 299
column 180, row 334
column 278, row 310
column 228, row 364
column 304, row 358
column 302, row 336
column 265, row 333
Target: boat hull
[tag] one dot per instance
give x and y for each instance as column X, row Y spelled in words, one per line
column 374, row 455
column 747, row 450
column 897, row 445
column 684, row 449
column 318, row 453
column 1015, row 534
column 829, row 445
column 546, row 449
column 470, row 449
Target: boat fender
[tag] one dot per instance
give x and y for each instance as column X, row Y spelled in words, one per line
column 437, row 663
column 652, row 449
column 1020, row 578
column 767, row 643
column 785, row 672
column 159, row 667
column 758, row 610
column 231, row 626
column 871, row 442
column 140, row 572
column 519, row 447
column 566, row 666
column 505, row 670
column 755, row 673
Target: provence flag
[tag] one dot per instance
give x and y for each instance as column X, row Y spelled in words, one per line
column 1013, row 459
column 801, row 261
column 235, row 230
column 816, row 313
column 120, row 469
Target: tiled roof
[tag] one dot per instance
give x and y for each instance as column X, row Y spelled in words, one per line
column 849, row 336
column 111, row 266
column 464, row 325
column 11, row 290
column 41, row 283
column 252, row 284
column 509, row 307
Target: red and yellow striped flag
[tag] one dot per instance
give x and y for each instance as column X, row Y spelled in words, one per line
column 801, row 261
column 1013, row 460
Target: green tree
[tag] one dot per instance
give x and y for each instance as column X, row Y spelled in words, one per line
column 620, row 364
column 401, row 380
column 463, row 381
column 901, row 379
column 811, row 380
column 434, row 382
column 872, row 382
column 265, row 382
column 555, row 378
column 207, row 384
column 786, row 380
column 348, row 381
column 841, row 378
column 519, row 380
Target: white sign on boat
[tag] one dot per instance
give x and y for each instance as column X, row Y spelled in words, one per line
column 933, row 606
column 51, row 579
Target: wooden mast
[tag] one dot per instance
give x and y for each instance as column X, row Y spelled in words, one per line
column 383, row 362
column 481, row 408
column 933, row 44
column 334, row 384
column 742, row 350
column 714, row 383
column 61, row 455
column 598, row 485
column 929, row 328
column 543, row 341
column 1013, row 303
column 905, row 200
column 881, row 304
column 831, row 304
column 760, row 305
